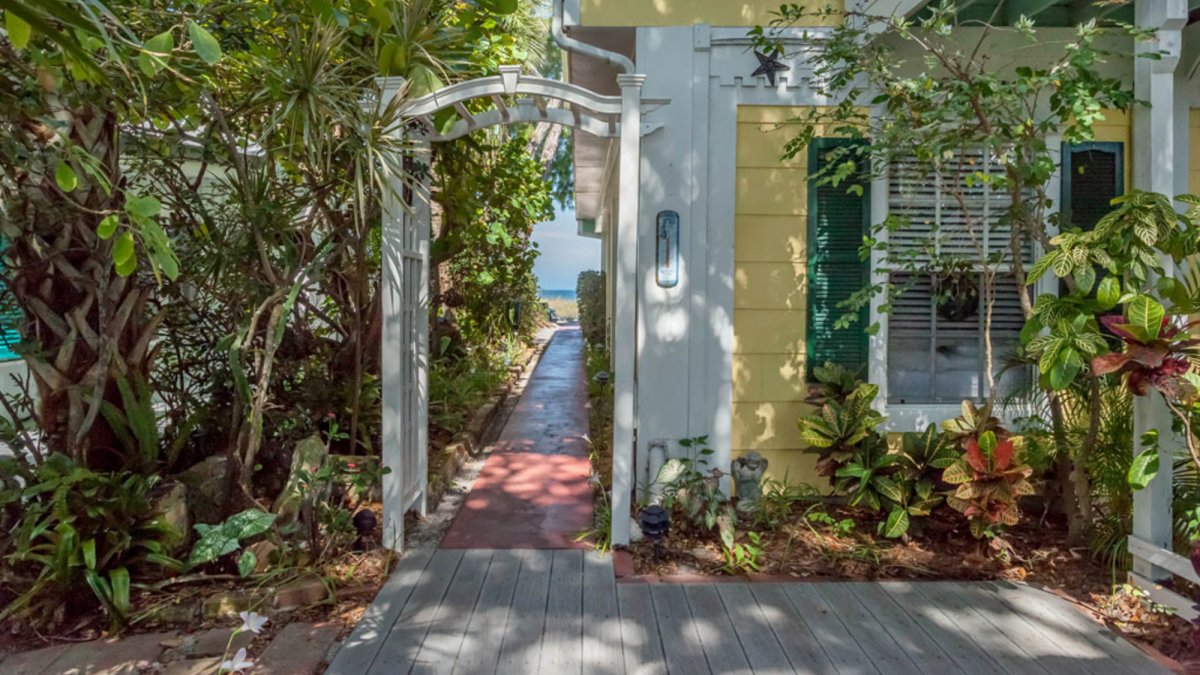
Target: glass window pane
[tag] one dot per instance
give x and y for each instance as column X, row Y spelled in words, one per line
column 909, row 374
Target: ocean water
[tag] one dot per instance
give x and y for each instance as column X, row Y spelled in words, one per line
column 557, row 293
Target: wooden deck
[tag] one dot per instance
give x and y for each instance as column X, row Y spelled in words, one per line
column 560, row 612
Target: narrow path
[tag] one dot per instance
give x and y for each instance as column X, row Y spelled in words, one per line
column 533, row 491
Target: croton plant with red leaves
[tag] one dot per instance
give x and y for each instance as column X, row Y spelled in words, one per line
column 989, row 478
column 1155, row 357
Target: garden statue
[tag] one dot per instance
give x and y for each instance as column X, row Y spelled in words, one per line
column 747, row 472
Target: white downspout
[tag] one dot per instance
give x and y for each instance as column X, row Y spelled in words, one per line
column 569, row 44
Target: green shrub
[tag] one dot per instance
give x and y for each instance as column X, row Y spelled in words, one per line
column 79, row 536
column 589, row 290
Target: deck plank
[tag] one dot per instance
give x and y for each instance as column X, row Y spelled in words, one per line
column 404, row 641
column 762, row 649
column 563, row 613
column 1059, row 652
column 562, row 640
column 913, row 641
column 1058, row 612
column 967, row 620
column 640, row 639
column 681, row 642
column 445, row 638
column 481, row 649
column 940, row 628
column 718, row 637
column 358, row 651
column 521, row 648
column 888, row 656
column 602, row 653
column 847, row 655
column 799, row 643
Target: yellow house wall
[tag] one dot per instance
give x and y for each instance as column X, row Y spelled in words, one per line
column 688, row 12
column 769, row 296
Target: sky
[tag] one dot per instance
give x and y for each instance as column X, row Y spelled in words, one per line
column 564, row 253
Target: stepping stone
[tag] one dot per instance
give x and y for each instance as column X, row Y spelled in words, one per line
column 212, row 642
column 30, row 663
column 124, row 656
column 298, row 649
column 206, row 666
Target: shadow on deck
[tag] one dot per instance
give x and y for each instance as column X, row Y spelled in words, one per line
column 558, row 612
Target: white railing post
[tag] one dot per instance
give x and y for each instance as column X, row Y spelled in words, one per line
column 624, row 269
column 1153, row 170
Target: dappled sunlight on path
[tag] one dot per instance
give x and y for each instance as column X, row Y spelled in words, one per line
column 533, row 491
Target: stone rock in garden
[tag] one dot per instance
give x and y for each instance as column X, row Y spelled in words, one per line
column 225, row 605
column 308, row 457
column 207, row 489
column 171, row 614
column 668, row 473
column 262, row 550
column 747, row 472
column 306, row 590
column 169, row 508
column 635, row 531
column 706, row 555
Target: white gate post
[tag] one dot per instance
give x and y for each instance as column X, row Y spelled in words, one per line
column 391, row 343
column 423, row 213
column 1153, row 169
column 624, row 342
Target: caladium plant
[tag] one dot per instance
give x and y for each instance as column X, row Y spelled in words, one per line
column 989, row 478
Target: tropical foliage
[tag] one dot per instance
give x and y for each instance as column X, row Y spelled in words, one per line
column 191, row 198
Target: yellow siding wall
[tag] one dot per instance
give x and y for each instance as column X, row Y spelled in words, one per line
column 769, row 296
column 688, row 12
column 1117, row 127
column 1194, row 153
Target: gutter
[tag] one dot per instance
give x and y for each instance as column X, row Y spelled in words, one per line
column 569, row 44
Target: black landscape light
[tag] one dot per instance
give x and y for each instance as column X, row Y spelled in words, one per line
column 365, row 522
column 655, row 522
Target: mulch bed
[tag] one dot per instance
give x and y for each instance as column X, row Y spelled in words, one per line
column 943, row 550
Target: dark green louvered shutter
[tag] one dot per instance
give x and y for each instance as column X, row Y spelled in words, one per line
column 1093, row 174
column 10, row 316
column 837, row 222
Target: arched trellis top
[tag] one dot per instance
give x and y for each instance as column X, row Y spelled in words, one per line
column 532, row 100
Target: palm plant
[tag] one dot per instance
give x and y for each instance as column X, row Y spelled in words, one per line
column 74, row 93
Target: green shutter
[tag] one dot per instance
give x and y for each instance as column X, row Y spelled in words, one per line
column 837, row 222
column 1092, row 175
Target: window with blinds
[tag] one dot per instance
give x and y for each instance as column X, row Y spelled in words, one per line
column 936, row 326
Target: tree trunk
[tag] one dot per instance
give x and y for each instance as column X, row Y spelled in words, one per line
column 87, row 326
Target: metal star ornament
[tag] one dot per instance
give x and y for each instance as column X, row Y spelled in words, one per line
column 768, row 65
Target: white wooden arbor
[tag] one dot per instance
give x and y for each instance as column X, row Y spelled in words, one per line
column 515, row 98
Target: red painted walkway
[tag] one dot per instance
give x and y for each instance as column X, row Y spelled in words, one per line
column 533, row 491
